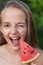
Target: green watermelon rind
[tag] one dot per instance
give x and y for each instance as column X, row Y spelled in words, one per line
column 31, row 59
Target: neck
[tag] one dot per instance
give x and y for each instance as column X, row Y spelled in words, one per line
column 11, row 51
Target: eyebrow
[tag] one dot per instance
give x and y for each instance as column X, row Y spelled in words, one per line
column 5, row 22
column 21, row 23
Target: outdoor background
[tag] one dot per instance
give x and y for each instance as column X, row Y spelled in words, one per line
column 36, row 7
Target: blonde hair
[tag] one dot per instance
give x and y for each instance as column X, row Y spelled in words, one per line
column 26, row 9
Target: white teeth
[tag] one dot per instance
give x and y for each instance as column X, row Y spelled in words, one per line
column 14, row 38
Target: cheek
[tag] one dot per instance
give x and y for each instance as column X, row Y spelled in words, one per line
column 5, row 31
column 23, row 33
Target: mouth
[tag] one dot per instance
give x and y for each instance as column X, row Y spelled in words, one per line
column 15, row 41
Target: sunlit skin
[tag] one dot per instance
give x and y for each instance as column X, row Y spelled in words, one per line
column 13, row 25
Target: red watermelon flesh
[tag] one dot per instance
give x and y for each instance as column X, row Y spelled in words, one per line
column 28, row 53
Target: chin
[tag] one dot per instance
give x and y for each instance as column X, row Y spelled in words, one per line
column 16, row 48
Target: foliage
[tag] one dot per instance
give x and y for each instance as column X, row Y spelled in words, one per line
column 36, row 7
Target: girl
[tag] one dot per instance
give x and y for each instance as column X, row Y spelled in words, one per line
column 16, row 22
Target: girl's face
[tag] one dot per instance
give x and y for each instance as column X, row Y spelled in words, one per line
column 13, row 26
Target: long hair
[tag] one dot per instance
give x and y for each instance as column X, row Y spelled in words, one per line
column 32, row 39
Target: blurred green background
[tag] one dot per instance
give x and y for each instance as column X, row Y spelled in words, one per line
column 36, row 7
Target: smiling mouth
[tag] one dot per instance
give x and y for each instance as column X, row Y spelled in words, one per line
column 15, row 41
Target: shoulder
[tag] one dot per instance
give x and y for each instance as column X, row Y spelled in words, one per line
column 2, row 52
column 39, row 60
column 41, row 56
column 3, row 59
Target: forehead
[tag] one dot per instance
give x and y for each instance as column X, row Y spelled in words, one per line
column 13, row 13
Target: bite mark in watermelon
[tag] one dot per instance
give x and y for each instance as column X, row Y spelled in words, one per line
column 28, row 53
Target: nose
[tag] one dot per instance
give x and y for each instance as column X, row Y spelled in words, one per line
column 13, row 31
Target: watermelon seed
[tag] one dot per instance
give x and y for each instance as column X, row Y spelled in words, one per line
column 28, row 46
column 31, row 51
column 24, row 52
column 25, row 48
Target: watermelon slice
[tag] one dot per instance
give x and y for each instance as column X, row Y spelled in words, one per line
column 28, row 54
